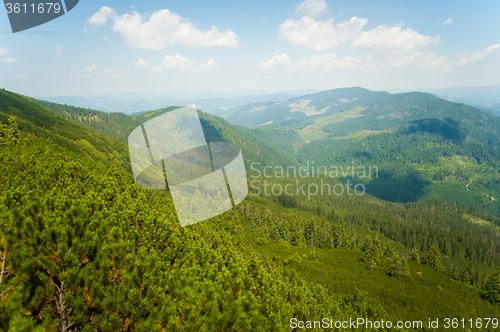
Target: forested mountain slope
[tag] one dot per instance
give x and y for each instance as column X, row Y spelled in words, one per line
column 285, row 138
column 44, row 123
column 303, row 109
column 85, row 247
column 423, row 147
column 119, row 126
column 424, row 112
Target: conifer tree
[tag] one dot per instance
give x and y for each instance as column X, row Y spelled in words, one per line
column 492, row 288
column 433, row 257
column 398, row 267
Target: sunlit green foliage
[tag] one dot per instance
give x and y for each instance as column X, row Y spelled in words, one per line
column 82, row 247
column 86, row 248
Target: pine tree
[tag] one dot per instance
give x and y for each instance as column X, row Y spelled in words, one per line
column 415, row 255
column 398, row 267
column 492, row 288
column 433, row 257
column 372, row 248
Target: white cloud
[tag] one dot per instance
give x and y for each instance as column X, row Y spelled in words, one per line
column 314, row 8
column 331, row 61
column 209, row 65
column 92, row 67
column 429, row 60
column 480, row 57
column 179, row 63
column 419, row 61
column 5, row 56
column 141, row 64
column 448, row 21
column 320, row 35
column 101, row 18
column 58, row 51
column 160, row 30
column 385, row 38
column 276, row 61
column 422, row 60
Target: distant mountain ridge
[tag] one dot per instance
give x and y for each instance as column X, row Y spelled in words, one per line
column 403, row 108
column 308, row 108
column 486, row 98
column 135, row 103
column 304, row 108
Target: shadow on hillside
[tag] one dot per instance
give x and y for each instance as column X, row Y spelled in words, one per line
column 212, row 134
column 447, row 128
column 402, row 189
column 364, row 154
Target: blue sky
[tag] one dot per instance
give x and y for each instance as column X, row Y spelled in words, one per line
column 191, row 45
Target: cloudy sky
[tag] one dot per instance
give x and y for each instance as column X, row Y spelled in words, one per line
column 155, row 46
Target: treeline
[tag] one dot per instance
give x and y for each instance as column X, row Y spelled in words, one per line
column 396, row 148
column 480, row 246
column 417, row 225
column 299, row 233
column 400, row 157
column 296, row 231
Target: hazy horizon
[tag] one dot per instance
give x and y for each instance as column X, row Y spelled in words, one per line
column 242, row 92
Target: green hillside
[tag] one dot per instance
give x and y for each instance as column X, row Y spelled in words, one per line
column 423, row 147
column 114, row 258
column 44, row 123
column 285, row 138
column 119, row 126
column 312, row 131
column 87, row 249
column 444, row 150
